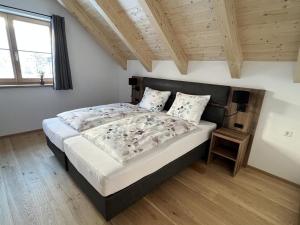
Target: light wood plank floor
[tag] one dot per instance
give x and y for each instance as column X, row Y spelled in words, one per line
column 35, row 189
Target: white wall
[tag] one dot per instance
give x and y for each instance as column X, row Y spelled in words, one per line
column 23, row 109
column 271, row 150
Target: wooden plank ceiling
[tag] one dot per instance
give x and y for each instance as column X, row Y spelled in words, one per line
column 225, row 12
column 264, row 30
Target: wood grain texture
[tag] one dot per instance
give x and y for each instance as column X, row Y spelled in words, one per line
column 235, row 153
column 96, row 29
column 114, row 15
column 35, row 189
column 89, row 7
column 225, row 12
column 268, row 30
column 249, row 118
column 157, row 16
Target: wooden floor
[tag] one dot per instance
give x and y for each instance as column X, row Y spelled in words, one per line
column 35, row 189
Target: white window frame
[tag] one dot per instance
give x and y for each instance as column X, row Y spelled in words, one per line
column 18, row 79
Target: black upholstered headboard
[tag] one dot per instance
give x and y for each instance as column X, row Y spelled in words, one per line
column 215, row 109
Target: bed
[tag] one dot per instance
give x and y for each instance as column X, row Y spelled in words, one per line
column 108, row 176
column 60, row 128
column 112, row 187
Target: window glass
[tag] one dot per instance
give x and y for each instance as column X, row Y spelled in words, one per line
column 3, row 34
column 6, row 68
column 25, row 49
column 34, row 49
column 33, row 64
column 32, row 37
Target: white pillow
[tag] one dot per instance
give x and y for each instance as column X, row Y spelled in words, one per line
column 154, row 100
column 189, row 107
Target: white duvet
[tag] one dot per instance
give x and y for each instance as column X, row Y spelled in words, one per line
column 128, row 138
column 86, row 118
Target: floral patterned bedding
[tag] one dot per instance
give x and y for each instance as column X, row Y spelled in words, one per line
column 86, row 118
column 128, row 138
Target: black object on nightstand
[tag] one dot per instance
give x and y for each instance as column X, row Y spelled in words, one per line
column 241, row 98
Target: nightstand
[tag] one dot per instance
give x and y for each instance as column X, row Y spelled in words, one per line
column 229, row 144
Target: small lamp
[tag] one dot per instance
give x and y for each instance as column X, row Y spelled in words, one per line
column 241, row 98
column 133, row 82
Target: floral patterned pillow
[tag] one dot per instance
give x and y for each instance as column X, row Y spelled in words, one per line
column 189, row 107
column 154, row 100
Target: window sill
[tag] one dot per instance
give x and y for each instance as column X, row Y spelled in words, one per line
column 24, row 85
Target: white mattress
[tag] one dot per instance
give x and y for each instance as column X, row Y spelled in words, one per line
column 57, row 131
column 108, row 176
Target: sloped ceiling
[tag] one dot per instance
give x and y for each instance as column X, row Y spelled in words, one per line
column 267, row 30
column 91, row 9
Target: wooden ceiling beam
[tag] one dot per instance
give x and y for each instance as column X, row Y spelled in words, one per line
column 162, row 24
column 297, row 70
column 95, row 29
column 225, row 13
column 119, row 21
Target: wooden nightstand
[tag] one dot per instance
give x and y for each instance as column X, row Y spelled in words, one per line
column 229, row 144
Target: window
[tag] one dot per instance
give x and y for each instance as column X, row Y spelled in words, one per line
column 25, row 50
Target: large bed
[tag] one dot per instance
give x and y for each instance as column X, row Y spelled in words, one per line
column 108, row 176
column 113, row 186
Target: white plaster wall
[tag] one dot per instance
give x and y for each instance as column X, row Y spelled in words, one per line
column 271, row 150
column 23, row 109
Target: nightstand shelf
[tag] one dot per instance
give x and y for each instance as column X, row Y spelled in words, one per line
column 229, row 144
column 224, row 153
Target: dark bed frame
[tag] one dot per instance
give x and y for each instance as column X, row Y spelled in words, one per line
column 111, row 205
column 60, row 155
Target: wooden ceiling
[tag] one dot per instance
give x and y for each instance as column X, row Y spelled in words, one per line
column 182, row 30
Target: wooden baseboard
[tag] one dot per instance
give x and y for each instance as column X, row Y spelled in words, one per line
column 272, row 175
column 25, row 132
